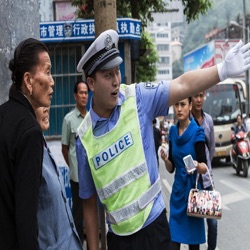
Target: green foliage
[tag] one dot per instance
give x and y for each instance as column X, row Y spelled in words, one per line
column 143, row 9
column 194, row 8
column 85, row 8
column 140, row 9
column 146, row 68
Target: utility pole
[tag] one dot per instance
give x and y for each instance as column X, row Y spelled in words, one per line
column 105, row 15
column 105, row 18
column 19, row 20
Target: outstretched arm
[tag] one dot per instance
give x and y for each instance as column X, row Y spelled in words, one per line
column 192, row 82
column 236, row 62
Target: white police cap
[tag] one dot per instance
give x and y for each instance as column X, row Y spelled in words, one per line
column 102, row 54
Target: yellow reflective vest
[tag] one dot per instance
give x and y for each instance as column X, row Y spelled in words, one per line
column 119, row 168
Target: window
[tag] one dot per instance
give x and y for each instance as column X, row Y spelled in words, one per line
column 163, row 47
column 162, row 35
column 163, row 72
column 164, row 60
column 64, row 59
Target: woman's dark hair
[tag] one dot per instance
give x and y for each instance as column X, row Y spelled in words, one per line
column 25, row 59
column 190, row 101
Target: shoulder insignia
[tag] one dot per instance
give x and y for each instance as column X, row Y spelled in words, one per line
column 150, row 85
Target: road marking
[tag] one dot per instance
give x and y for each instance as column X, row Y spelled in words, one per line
column 238, row 195
column 236, row 188
column 228, row 199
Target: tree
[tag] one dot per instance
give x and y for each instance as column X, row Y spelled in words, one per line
column 145, row 67
column 194, row 8
column 143, row 9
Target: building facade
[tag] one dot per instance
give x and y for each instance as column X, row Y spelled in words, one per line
column 167, row 33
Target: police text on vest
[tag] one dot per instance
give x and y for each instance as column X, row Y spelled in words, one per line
column 113, row 150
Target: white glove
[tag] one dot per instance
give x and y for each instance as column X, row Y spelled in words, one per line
column 236, row 61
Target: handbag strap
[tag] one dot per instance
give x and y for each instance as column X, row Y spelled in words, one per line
column 197, row 177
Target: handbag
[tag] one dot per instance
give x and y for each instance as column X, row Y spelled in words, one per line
column 204, row 203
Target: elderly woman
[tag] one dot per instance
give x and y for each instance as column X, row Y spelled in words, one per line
column 55, row 221
column 21, row 145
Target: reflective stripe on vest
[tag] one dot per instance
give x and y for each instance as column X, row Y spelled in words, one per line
column 125, row 213
column 122, row 181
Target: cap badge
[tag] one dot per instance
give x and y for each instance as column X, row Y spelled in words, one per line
column 108, row 42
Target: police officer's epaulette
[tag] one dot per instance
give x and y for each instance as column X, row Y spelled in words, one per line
column 150, row 85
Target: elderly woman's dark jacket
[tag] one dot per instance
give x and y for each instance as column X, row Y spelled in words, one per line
column 21, row 149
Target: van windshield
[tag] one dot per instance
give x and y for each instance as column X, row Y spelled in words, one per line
column 223, row 103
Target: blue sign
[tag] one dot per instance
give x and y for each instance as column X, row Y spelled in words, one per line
column 202, row 57
column 84, row 30
column 66, row 178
